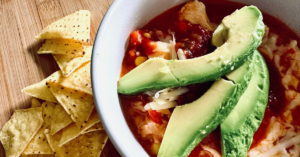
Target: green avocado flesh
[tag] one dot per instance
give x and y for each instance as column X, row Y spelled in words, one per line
column 238, row 128
column 190, row 123
column 242, row 32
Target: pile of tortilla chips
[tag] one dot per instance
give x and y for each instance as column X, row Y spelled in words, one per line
column 66, row 123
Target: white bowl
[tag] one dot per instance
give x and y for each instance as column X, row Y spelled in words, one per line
column 121, row 19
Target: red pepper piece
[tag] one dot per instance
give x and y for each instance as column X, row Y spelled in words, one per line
column 155, row 116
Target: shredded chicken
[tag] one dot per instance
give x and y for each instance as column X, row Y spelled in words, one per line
column 195, row 13
column 138, row 106
column 289, row 52
column 152, row 131
column 283, row 138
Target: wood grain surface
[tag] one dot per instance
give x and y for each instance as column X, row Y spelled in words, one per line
column 20, row 65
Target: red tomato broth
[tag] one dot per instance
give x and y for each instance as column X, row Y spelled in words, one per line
column 168, row 22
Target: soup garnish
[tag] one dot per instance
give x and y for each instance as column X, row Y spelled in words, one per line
column 240, row 119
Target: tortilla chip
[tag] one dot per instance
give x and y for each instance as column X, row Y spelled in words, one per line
column 77, row 104
column 95, row 127
column 90, row 144
column 38, row 155
column 20, row 129
column 195, row 13
column 40, row 90
column 74, row 26
column 70, row 62
column 35, row 103
column 39, row 144
column 62, row 46
column 88, row 51
column 72, row 131
column 60, row 119
column 79, row 80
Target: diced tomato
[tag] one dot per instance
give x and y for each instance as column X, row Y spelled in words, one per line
column 137, row 41
column 182, row 26
column 178, row 46
column 149, row 46
column 155, row 116
column 291, row 50
column 136, row 37
column 132, row 53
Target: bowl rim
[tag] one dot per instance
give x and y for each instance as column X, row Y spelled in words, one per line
column 98, row 37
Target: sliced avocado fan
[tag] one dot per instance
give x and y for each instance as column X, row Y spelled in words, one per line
column 236, row 37
column 238, row 128
column 190, row 123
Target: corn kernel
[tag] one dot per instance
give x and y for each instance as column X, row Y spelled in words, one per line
column 155, row 148
column 147, row 35
column 139, row 60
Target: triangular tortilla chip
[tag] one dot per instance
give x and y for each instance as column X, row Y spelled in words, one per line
column 79, row 80
column 35, row 103
column 86, row 145
column 60, row 119
column 77, row 104
column 88, row 51
column 39, row 144
column 72, row 131
column 69, row 62
column 20, row 129
column 40, row 90
column 95, row 127
column 62, row 46
column 74, row 26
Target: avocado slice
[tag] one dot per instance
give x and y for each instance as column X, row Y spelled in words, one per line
column 148, row 69
column 238, row 128
column 236, row 37
column 190, row 123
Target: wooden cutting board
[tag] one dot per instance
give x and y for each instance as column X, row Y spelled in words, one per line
column 20, row 65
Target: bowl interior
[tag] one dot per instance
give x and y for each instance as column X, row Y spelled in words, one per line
column 110, row 44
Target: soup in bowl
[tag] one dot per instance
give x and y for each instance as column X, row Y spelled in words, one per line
column 144, row 100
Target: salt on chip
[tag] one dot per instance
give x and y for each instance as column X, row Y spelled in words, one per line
column 20, row 129
column 61, row 46
column 60, row 119
column 79, row 80
column 90, row 144
column 35, row 103
column 72, row 131
column 77, row 104
column 95, row 127
column 70, row 62
column 74, row 26
column 39, row 144
column 40, row 90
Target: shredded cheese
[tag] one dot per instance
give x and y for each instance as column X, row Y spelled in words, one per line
column 181, row 54
column 173, row 51
column 165, row 98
